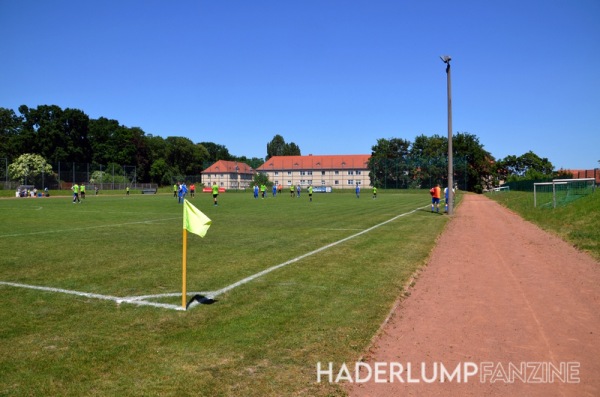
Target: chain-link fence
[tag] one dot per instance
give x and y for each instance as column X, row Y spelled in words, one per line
column 417, row 173
column 65, row 174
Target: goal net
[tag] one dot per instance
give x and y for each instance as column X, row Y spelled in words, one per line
column 561, row 191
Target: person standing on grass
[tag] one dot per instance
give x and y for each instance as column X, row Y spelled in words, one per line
column 127, row 191
column 292, row 190
column 298, row 190
column 175, row 189
column 357, row 190
column 435, row 197
column 274, row 190
column 193, row 190
column 255, row 191
column 82, row 190
column 182, row 192
column 263, row 189
column 215, row 192
column 374, row 192
column 75, row 188
column 310, row 191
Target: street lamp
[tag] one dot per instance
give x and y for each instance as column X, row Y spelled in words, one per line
column 446, row 60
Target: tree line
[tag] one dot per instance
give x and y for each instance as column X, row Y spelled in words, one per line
column 70, row 135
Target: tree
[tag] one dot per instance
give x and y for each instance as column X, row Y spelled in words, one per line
column 388, row 163
column 184, row 156
column 278, row 147
column 27, row 167
column 526, row 166
column 10, row 129
column 215, row 152
column 56, row 134
column 479, row 163
column 261, row 178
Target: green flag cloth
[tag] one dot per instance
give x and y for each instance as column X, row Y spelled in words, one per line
column 194, row 221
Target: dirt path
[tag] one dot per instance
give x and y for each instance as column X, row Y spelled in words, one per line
column 497, row 290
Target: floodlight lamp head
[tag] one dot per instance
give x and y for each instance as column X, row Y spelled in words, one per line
column 445, row 58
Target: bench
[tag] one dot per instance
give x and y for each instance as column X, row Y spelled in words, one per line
column 149, row 191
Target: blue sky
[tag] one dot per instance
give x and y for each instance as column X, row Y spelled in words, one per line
column 331, row 76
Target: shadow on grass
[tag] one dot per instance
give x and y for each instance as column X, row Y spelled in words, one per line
column 200, row 299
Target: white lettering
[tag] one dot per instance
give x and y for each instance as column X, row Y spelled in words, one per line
column 444, row 373
column 343, row 374
column 322, row 372
column 396, row 370
column 424, row 373
column 360, row 365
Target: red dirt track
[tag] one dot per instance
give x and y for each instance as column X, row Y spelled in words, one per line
column 497, row 289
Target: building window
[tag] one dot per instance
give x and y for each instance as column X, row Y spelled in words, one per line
column 336, row 182
column 322, row 172
column 350, row 182
column 336, row 172
column 358, row 172
column 322, row 182
column 289, row 173
column 276, row 173
column 350, row 172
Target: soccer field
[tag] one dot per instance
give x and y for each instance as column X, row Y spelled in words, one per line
column 334, row 268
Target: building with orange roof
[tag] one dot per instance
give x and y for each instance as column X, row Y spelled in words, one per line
column 228, row 175
column 335, row 171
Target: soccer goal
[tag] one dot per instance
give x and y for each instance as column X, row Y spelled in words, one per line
column 561, row 191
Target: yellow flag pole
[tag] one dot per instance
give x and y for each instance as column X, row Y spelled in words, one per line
column 184, row 293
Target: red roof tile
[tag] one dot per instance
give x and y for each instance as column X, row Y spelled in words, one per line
column 222, row 166
column 310, row 162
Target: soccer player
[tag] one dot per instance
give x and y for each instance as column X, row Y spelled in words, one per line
column 292, row 190
column 310, row 190
column 435, row 197
column 374, row 192
column 193, row 190
column 75, row 188
column 82, row 191
column 175, row 189
column 357, row 190
column 255, row 191
column 263, row 189
column 215, row 192
column 274, row 190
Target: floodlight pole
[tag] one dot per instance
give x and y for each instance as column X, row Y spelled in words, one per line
column 446, row 60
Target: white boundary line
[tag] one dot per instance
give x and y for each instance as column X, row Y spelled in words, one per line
column 142, row 300
column 262, row 273
column 86, row 228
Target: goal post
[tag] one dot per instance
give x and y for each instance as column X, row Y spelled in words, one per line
column 561, row 191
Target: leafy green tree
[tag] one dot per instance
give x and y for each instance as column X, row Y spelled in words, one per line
column 526, row 166
column 261, row 178
column 27, row 167
column 216, row 152
column 160, row 172
column 56, row 134
column 388, row 166
column 278, row 147
column 184, row 156
column 10, row 129
column 480, row 168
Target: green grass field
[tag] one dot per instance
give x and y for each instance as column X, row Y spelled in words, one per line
column 262, row 338
column 577, row 222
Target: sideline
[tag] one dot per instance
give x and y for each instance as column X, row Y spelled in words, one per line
column 142, row 300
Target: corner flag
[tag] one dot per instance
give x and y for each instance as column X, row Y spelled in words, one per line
column 194, row 221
